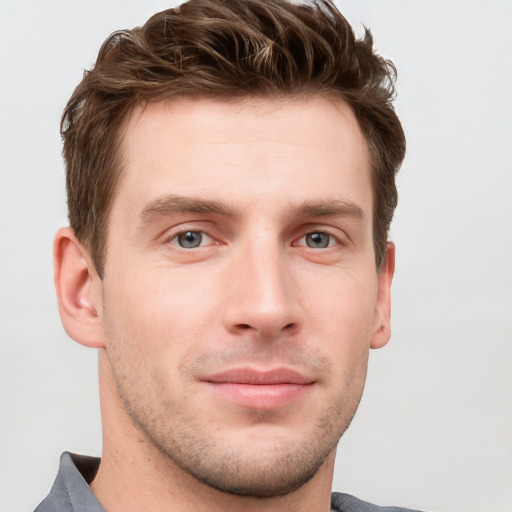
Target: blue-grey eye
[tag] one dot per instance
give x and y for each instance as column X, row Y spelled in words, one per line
column 318, row 240
column 190, row 239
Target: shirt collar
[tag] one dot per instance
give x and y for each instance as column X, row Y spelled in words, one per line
column 71, row 491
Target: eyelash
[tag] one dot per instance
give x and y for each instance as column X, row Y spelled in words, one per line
column 175, row 239
column 332, row 240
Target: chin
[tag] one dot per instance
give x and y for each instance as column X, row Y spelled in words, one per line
column 264, row 476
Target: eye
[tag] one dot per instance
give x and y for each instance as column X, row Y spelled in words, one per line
column 318, row 240
column 191, row 239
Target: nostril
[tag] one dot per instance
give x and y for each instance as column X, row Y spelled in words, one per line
column 245, row 327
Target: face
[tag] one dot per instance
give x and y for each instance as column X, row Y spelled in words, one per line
column 240, row 296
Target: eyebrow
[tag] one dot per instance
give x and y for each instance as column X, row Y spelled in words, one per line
column 330, row 207
column 170, row 205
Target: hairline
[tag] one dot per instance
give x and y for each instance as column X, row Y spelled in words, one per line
column 247, row 98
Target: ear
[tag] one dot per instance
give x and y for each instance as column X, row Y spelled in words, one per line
column 78, row 289
column 382, row 320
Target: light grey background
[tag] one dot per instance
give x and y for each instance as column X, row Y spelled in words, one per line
column 434, row 429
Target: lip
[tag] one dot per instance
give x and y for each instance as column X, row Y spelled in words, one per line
column 259, row 389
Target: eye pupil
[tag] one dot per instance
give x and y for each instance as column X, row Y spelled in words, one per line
column 317, row 240
column 190, row 239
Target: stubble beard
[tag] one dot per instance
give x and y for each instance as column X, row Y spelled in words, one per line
column 271, row 471
column 277, row 468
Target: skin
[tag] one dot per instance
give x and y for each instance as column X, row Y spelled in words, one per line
column 283, row 280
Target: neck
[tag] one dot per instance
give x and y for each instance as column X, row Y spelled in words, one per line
column 135, row 475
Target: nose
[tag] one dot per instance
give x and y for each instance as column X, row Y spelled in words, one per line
column 262, row 298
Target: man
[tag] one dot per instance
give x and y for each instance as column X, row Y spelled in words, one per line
column 230, row 180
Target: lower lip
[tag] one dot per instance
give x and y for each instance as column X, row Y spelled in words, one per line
column 261, row 396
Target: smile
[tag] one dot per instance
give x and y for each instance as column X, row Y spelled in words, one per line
column 262, row 390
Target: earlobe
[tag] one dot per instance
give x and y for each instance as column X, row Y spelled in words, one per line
column 382, row 322
column 78, row 289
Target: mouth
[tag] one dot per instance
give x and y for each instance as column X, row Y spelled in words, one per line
column 259, row 389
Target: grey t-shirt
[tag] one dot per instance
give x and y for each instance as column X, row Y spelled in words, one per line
column 71, row 491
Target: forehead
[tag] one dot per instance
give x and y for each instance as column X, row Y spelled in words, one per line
column 265, row 147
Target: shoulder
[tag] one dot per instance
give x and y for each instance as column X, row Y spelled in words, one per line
column 346, row 503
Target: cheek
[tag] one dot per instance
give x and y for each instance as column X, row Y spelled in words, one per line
column 344, row 305
column 340, row 322
column 157, row 318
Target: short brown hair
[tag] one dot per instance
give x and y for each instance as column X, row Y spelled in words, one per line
column 225, row 49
